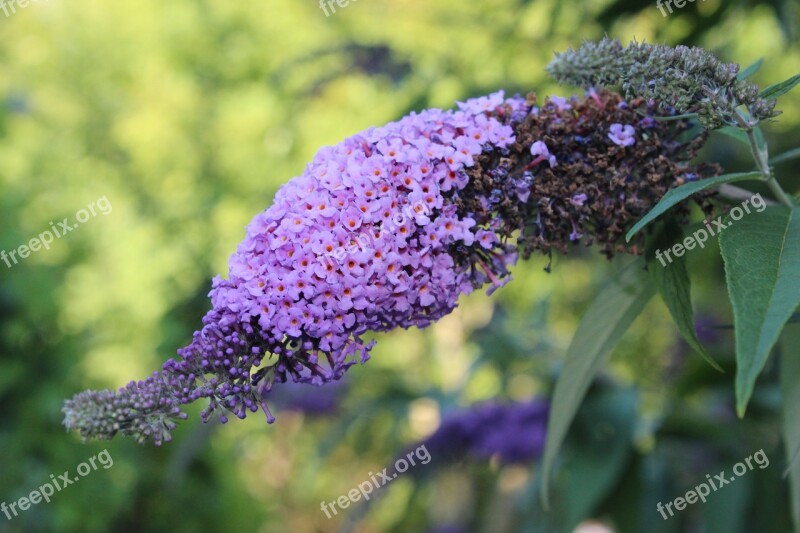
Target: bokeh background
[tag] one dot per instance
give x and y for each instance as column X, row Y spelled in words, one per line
column 187, row 115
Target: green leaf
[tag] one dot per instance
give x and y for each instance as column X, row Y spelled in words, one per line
column 606, row 320
column 735, row 133
column 599, row 453
column 678, row 194
column 779, row 89
column 726, row 510
column 785, row 156
column 761, row 142
column 762, row 270
column 790, row 388
column 674, row 285
column 749, row 71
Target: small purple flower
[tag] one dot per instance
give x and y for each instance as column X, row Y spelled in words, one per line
column 578, row 200
column 575, row 234
column 522, row 189
column 542, row 153
column 622, row 135
column 560, row 103
column 647, row 123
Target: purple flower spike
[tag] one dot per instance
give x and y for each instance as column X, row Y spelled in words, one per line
column 386, row 230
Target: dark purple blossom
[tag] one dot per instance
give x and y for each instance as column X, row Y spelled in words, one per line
column 512, row 433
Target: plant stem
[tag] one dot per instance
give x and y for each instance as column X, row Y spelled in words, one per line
column 737, row 194
column 761, row 157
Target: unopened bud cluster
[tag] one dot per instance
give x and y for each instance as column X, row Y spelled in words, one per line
column 689, row 79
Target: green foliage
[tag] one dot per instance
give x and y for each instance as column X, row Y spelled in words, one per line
column 779, row 89
column 790, row 389
column 762, row 268
column 597, row 460
column 675, row 286
column 786, row 156
column 613, row 311
column 679, row 194
column 750, row 69
column 734, row 133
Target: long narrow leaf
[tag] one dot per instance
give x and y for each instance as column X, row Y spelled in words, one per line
column 734, row 133
column 785, row 156
column 678, row 194
column 752, row 69
column 672, row 279
column 607, row 319
column 779, row 89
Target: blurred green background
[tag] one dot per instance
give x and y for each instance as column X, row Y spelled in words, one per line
column 187, row 115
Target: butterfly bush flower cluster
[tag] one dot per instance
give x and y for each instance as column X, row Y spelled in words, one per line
column 439, row 204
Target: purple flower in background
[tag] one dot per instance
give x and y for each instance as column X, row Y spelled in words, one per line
column 314, row 401
column 513, row 432
column 622, row 135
